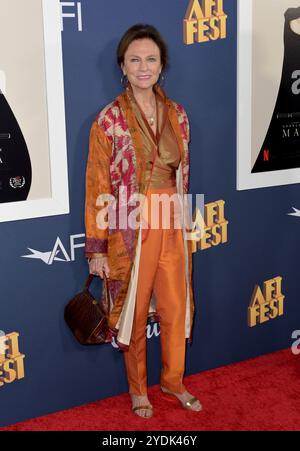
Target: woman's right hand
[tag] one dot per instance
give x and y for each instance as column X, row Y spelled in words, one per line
column 99, row 266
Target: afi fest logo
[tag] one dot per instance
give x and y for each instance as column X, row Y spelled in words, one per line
column 267, row 304
column 212, row 227
column 204, row 21
column 11, row 360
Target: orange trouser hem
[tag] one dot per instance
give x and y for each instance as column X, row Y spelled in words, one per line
column 161, row 269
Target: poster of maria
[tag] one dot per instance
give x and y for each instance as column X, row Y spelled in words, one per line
column 268, row 142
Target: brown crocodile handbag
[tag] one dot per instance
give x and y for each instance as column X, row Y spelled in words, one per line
column 86, row 317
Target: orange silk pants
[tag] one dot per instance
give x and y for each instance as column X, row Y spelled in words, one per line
column 162, row 269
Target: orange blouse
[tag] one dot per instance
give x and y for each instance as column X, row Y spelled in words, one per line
column 168, row 154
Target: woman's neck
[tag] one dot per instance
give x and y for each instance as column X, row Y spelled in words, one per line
column 143, row 96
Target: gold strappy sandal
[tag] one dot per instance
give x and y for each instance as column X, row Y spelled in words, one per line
column 187, row 404
column 143, row 407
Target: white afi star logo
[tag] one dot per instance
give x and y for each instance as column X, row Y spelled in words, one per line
column 49, row 257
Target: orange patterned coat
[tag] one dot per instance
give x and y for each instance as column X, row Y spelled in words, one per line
column 116, row 163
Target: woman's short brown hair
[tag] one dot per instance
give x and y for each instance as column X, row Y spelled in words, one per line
column 141, row 31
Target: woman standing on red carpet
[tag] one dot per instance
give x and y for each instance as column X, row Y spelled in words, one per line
column 139, row 146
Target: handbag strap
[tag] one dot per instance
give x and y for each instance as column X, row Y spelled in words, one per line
column 106, row 307
column 90, row 278
column 88, row 281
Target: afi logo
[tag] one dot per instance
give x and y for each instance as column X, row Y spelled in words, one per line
column 58, row 252
column 296, row 212
column 74, row 12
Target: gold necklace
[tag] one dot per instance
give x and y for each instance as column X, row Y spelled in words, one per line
column 151, row 118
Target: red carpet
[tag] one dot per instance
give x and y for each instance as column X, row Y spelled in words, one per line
column 257, row 394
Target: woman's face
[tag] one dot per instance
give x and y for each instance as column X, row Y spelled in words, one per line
column 142, row 63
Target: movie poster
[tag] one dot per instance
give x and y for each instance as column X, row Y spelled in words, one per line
column 25, row 80
column 268, row 93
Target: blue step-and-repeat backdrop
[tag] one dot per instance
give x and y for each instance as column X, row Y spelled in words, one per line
column 246, row 269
